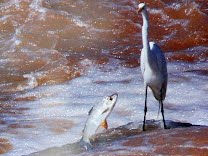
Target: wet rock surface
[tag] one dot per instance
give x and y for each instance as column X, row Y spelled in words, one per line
column 179, row 139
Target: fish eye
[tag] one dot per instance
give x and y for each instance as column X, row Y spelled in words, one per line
column 109, row 98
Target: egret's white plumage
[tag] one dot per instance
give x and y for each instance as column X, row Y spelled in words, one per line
column 153, row 66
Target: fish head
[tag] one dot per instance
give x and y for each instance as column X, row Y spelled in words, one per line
column 109, row 103
column 141, row 6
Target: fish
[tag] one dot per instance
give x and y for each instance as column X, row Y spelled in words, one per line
column 97, row 117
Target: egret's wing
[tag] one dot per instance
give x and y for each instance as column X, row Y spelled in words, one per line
column 161, row 66
column 160, row 58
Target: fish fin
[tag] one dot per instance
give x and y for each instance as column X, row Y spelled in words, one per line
column 105, row 111
column 104, row 124
column 90, row 111
column 87, row 145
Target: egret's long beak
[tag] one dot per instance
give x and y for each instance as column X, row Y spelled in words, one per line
column 141, row 6
column 139, row 10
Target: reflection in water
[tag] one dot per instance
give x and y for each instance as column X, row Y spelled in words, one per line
column 59, row 57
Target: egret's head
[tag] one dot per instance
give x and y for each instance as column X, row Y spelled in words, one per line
column 141, row 6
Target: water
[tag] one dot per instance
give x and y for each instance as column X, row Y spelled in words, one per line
column 61, row 57
column 130, row 139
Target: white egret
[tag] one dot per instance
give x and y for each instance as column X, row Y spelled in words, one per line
column 153, row 66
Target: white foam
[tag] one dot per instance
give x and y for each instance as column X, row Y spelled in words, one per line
column 37, row 5
column 80, row 23
column 185, row 102
column 175, row 6
column 30, row 82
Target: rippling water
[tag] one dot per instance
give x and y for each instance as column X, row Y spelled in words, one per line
column 60, row 57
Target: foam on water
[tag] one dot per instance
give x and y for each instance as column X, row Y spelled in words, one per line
column 45, row 45
column 80, row 23
column 30, row 83
column 71, row 102
column 37, row 5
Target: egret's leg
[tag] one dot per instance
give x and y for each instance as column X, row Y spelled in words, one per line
column 162, row 111
column 145, row 109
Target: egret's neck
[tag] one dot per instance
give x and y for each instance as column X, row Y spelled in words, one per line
column 145, row 28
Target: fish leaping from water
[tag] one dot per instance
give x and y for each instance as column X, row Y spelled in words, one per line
column 97, row 116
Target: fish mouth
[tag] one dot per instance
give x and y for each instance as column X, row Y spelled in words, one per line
column 113, row 96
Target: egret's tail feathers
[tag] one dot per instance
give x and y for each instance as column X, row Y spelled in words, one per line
column 86, row 145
